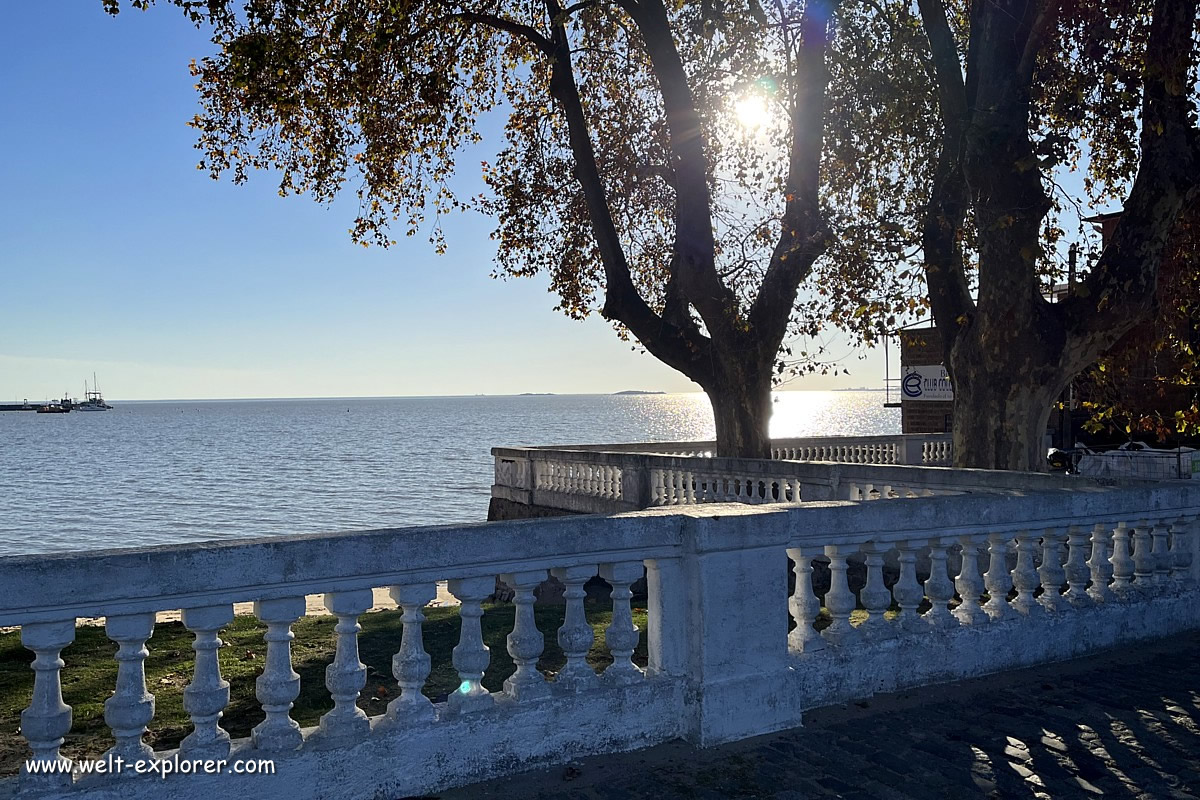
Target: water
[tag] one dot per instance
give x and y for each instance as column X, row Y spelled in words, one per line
column 168, row 472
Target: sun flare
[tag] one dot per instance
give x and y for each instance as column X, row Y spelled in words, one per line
column 752, row 111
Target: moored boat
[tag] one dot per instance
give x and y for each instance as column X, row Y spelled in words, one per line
column 92, row 401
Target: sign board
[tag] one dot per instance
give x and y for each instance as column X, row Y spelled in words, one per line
column 926, row 383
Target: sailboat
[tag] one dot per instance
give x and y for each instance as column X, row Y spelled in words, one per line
column 92, row 401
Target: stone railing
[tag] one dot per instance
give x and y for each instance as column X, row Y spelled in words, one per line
column 721, row 664
column 588, row 480
column 921, row 449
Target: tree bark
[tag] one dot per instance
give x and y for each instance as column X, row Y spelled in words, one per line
column 741, row 404
column 1010, row 352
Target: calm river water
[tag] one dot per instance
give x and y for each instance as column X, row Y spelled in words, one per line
column 163, row 472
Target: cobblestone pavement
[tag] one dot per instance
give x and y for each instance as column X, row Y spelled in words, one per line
column 1122, row 724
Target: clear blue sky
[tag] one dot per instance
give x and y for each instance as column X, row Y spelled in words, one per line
column 118, row 256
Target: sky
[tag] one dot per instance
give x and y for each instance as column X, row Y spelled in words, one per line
column 118, row 257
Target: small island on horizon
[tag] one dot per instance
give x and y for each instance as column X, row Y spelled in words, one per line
column 635, row 391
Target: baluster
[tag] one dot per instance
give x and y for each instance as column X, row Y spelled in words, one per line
column 613, row 491
column 803, row 604
column 907, row 591
column 1051, row 572
column 279, row 685
column 938, row 587
column 1181, row 550
column 673, row 489
column 1143, row 558
column 997, row 579
column 839, row 600
column 575, row 637
column 868, row 491
column 621, row 635
column 1122, row 563
column 875, row 595
column 886, row 494
column 411, row 664
column 47, row 719
column 1099, row 566
column 660, row 487
column 689, row 487
column 1162, row 558
column 131, row 706
column 1025, row 577
column 1076, row 568
column 853, row 492
column 525, row 642
column 470, row 656
column 969, row 583
column 206, row 697
column 346, row 675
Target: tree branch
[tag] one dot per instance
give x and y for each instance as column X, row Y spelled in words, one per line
column 508, row 26
column 678, row 347
column 945, row 271
column 1122, row 285
column 695, row 243
column 1046, row 17
column 804, row 234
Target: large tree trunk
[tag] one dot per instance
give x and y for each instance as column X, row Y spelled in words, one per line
column 742, row 411
column 999, row 420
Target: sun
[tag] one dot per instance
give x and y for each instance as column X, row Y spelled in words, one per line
column 752, row 111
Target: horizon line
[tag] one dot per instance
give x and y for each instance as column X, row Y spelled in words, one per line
column 636, row 392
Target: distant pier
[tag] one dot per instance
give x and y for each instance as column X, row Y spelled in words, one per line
column 26, row 405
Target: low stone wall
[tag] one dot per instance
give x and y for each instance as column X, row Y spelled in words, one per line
column 1091, row 567
column 501, row 509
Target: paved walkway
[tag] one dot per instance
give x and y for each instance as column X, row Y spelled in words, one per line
column 1122, row 724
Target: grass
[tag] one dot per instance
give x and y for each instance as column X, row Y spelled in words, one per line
column 90, row 673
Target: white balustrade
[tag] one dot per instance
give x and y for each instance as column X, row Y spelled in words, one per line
column 1182, row 530
column 1100, row 568
column 969, row 583
column 1162, row 557
column 839, row 599
column 1122, row 563
column 47, row 719
column 1051, row 573
column 875, row 597
column 411, row 664
column 471, row 656
column 938, row 587
column 206, row 697
column 719, row 668
column 1024, row 576
column 907, row 591
column 346, row 676
column 997, row 580
column 575, row 636
column 131, row 707
column 525, row 642
column 279, row 685
column 1143, row 558
column 1076, row 568
column 621, row 635
column 803, row 604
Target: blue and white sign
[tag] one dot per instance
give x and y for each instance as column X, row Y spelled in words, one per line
column 926, row 383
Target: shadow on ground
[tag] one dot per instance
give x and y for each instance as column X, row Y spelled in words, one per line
column 1121, row 724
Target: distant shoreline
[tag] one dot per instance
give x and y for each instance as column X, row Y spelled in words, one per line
column 626, row 393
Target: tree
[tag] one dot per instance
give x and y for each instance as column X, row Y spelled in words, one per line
column 1020, row 84
column 626, row 174
column 1149, row 383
